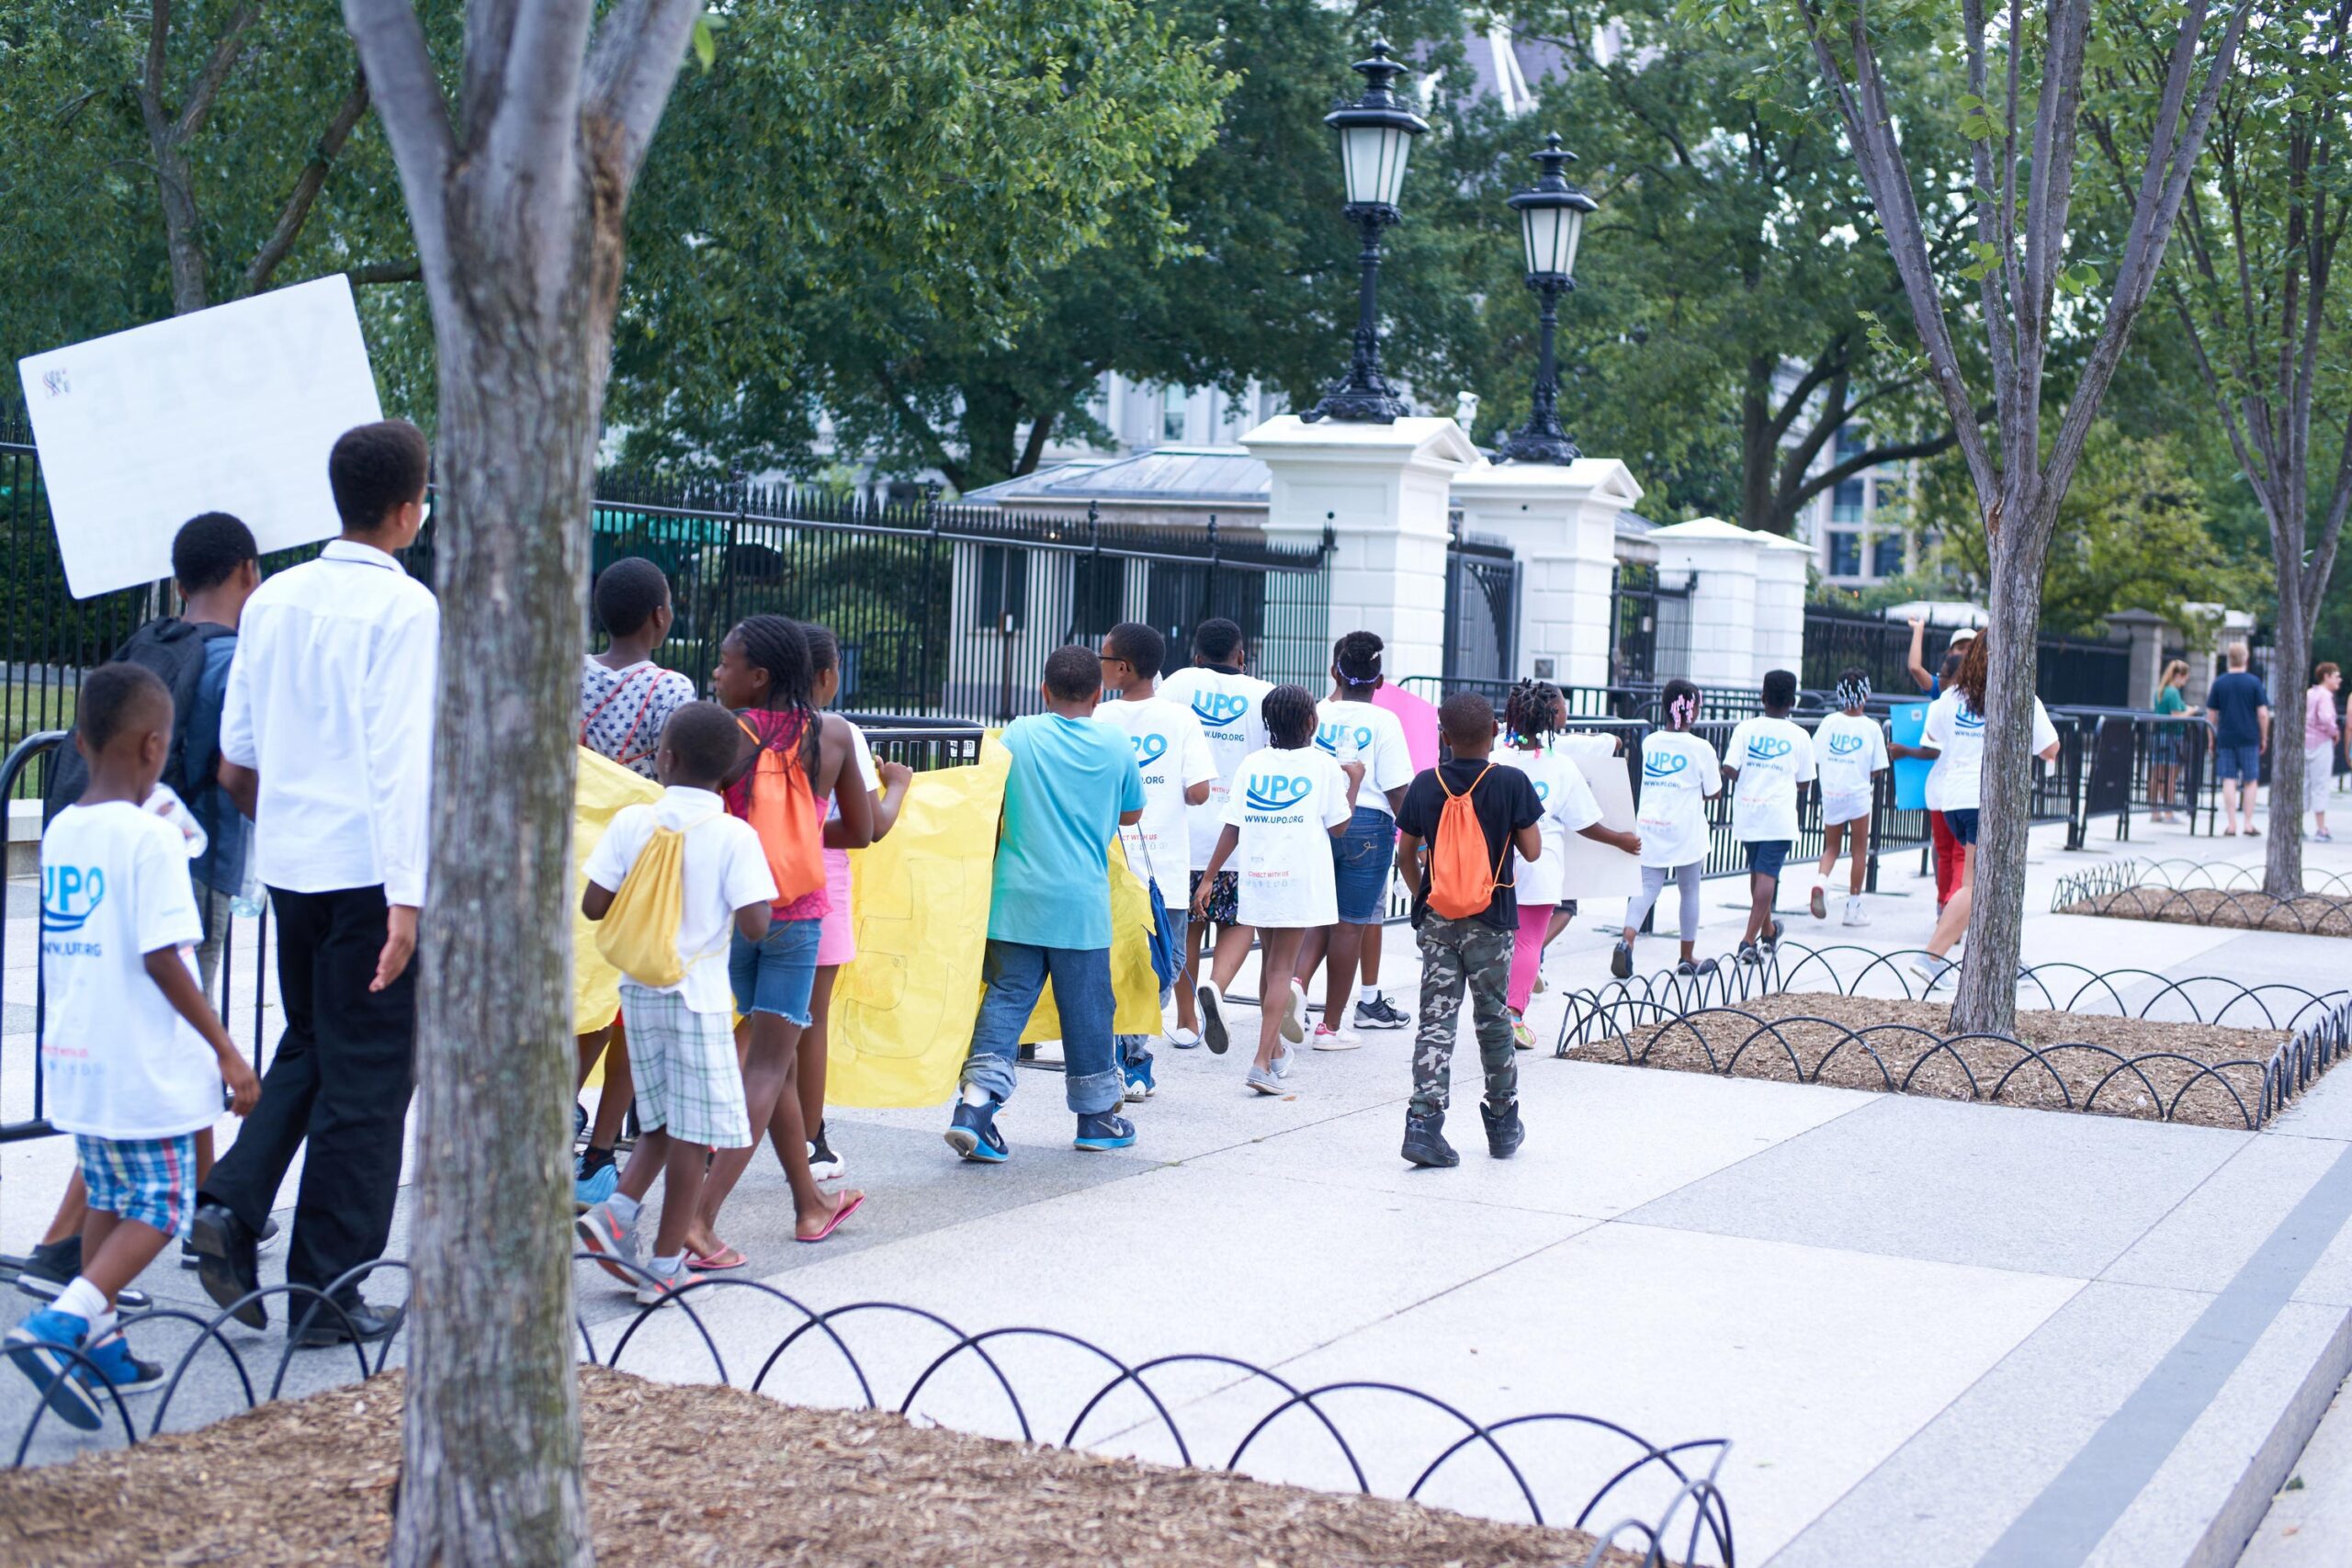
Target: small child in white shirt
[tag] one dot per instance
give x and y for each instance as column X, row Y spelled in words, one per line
column 134, row 1061
column 681, row 1044
column 1850, row 749
column 1768, row 757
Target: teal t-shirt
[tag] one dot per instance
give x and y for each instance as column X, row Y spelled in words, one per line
column 1071, row 780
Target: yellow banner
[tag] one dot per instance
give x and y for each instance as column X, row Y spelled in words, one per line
column 605, row 787
column 1135, row 983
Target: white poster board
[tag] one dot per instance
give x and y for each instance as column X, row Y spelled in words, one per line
column 1592, row 869
column 229, row 410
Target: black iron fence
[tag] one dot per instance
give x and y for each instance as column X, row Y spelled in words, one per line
column 1481, row 609
column 2069, row 670
column 1649, row 624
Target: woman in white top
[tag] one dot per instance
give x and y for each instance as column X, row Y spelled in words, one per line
column 1955, row 737
column 1680, row 773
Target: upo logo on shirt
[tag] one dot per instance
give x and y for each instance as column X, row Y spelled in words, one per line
column 1149, row 749
column 1846, row 745
column 1327, row 736
column 1964, row 719
column 1544, row 789
column 1664, row 765
column 70, row 895
column 1766, row 748
column 1219, row 708
column 1274, row 792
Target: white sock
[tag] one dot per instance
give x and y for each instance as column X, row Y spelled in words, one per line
column 1367, row 995
column 624, row 1208
column 83, row 1300
column 102, row 1325
column 975, row 1096
column 666, row 1266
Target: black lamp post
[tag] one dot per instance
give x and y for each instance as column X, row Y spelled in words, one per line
column 1551, row 220
column 1377, row 134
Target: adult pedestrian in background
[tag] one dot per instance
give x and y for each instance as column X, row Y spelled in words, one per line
column 2319, row 731
column 2239, row 710
column 2166, row 744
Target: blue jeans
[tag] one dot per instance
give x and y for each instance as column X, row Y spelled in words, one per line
column 1015, row 973
column 1360, row 860
column 1135, row 1050
column 778, row 973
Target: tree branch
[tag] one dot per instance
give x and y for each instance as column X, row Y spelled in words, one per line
column 632, row 67
column 409, row 271
column 539, row 100
column 223, row 59
column 407, row 95
column 307, row 185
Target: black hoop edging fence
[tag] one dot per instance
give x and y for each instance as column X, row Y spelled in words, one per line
column 2168, row 889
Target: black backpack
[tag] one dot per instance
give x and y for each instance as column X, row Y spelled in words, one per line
column 174, row 649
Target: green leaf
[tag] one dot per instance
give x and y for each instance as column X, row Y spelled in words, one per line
column 705, row 42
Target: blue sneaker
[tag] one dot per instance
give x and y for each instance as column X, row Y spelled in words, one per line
column 973, row 1134
column 1103, row 1130
column 1140, row 1086
column 38, row 1347
column 587, row 1191
column 118, row 1365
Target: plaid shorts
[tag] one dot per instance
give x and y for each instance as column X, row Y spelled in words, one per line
column 151, row 1180
column 683, row 1063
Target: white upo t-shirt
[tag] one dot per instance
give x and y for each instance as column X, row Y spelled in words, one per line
column 1284, row 805
column 726, row 870
column 117, row 1060
column 867, row 774
column 1847, row 748
column 1957, row 732
column 1366, row 733
column 1773, row 756
column 1679, row 772
column 1172, row 755
column 1227, row 709
column 1568, row 808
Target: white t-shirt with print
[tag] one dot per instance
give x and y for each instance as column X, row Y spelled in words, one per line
column 1284, row 804
column 1680, row 775
column 1773, row 757
column 117, row 1060
column 1233, row 724
column 1172, row 755
column 1847, row 748
column 726, row 870
column 1370, row 734
column 867, row 774
column 1957, row 732
column 1568, row 808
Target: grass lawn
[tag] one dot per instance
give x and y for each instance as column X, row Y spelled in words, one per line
column 28, row 708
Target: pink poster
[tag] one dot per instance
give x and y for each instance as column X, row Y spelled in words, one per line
column 1419, row 720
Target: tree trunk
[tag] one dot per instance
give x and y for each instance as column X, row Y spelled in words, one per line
column 1760, row 453
column 2282, row 871
column 492, row 1437
column 991, row 427
column 1987, row 996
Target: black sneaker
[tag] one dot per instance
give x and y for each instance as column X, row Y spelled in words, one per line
column 823, row 1164
column 51, row 1266
column 1380, row 1014
column 579, row 1119
column 1620, row 960
column 1505, row 1132
column 1748, row 953
column 1425, row 1143
column 1773, row 938
column 319, row 1326
column 1690, row 970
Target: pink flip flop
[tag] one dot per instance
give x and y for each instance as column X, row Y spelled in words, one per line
column 844, row 1212
column 724, row 1258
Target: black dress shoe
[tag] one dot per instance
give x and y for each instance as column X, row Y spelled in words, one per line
column 319, row 1326
column 224, row 1262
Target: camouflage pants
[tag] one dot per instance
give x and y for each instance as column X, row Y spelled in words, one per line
column 1455, row 955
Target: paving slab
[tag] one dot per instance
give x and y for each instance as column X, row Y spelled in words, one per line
column 2309, row 1524
column 2002, row 1187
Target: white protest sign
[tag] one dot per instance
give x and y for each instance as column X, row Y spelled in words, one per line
column 1592, row 869
column 228, row 410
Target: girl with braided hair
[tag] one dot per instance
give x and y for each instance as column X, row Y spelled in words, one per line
column 767, row 674
column 1534, row 716
column 1680, row 773
column 1850, row 748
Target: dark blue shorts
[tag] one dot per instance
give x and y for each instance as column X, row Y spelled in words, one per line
column 1766, row 856
column 1962, row 824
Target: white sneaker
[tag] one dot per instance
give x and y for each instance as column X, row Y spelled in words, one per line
column 1854, row 914
column 1334, row 1040
column 1932, row 970
column 1294, row 1023
column 1211, row 1004
column 1283, row 1060
column 1263, row 1080
column 1184, row 1039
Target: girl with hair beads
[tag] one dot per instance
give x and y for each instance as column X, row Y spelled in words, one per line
column 1533, row 717
column 1680, row 773
column 793, row 758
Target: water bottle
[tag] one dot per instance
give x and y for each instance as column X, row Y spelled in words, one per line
column 247, row 902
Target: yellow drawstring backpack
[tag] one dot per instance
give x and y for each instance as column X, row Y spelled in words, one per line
column 638, row 935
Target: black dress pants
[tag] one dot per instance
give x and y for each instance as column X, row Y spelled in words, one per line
column 341, row 1079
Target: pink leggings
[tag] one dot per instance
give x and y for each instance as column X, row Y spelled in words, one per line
column 1526, row 953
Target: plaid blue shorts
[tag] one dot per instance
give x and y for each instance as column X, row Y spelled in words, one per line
column 151, row 1180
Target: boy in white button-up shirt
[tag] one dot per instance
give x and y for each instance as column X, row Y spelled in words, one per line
column 326, row 739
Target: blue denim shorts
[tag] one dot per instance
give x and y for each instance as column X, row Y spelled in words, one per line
column 778, row 973
column 1360, row 860
column 2234, row 763
column 1962, row 823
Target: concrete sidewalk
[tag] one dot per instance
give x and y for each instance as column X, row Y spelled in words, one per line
column 1936, row 1333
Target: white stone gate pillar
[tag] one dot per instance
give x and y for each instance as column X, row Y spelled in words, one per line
column 1561, row 521
column 1382, row 490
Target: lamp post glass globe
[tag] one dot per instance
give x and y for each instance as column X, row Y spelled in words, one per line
column 1376, row 133
column 1551, row 222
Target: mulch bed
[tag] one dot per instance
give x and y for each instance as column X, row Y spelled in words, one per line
column 712, row 1474
column 2311, row 914
column 1678, row 1046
